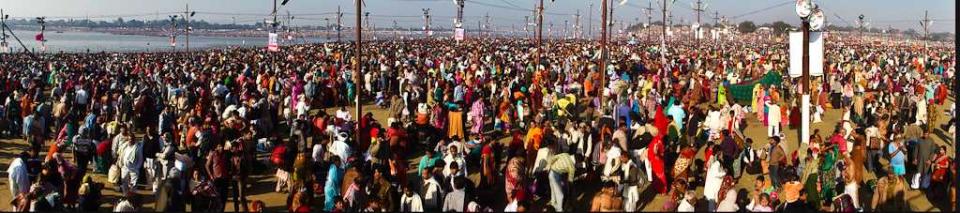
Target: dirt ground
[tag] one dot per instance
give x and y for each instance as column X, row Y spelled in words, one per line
column 262, row 182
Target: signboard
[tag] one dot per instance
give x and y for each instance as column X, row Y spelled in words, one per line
column 796, row 54
column 272, row 43
column 458, row 35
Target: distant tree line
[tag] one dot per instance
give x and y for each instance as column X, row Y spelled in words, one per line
column 134, row 23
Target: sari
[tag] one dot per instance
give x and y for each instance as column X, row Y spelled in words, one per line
column 655, row 152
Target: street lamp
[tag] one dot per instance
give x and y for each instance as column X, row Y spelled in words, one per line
column 43, row 26
column 173, row 32
column 812, row 17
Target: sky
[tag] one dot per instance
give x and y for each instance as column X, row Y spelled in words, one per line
column 901, row 14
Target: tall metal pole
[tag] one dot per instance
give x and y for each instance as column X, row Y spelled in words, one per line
column 459, row 21
column 486, row 26
column 860, row 28
column 426, row 22
column 649, row 11
column 926, row 24
column 186, row 15
column 173, row 32
column 43, row 27
column 603, row 57
column 479, row 30
column 536, row 66
column 805, row 69
column 663, row 38
column 358, row 67
column 611, row 20
column 327, row 28
column 3, row 32
column 698, row 9
column 716, row 18
column 3, row 26
column 526, row 26
column 578, row 31
column 339, row 26
column 273, row 25
column 590, row 21
column 367, row 20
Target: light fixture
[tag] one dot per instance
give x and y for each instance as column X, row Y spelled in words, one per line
column 816, row 19
column 804, row 8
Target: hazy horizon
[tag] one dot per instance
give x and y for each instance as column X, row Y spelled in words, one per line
column 503, row 13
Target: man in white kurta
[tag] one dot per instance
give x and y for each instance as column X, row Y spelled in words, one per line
column 17, row 174
column 712, row 183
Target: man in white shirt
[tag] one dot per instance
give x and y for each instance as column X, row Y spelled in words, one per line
column 131, row 160
column 773, row 120
column 686, row 205
column 82, row 97
column 431, row 190
column 713, row 181
column 410, row 201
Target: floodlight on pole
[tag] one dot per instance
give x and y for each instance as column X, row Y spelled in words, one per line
column 812, row 19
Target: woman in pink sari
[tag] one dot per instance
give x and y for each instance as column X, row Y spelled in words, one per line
column 758, row 105
column 476, row 116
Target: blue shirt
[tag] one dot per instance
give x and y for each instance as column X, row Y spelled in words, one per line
column 90, row 121
column 678, row 115
column 27, row 125
column 898, row 159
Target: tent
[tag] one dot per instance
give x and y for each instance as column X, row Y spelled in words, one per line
column 742, row 93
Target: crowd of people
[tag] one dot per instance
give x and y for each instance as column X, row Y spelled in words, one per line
column 486, row 129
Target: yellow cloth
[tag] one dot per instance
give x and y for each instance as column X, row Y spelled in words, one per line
column 756, row 98
column 534, row 135
column 456, row 124
column 722, row 96
column 563, row 103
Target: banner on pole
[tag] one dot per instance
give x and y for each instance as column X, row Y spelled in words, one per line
column 796, row 54
column 458, row 35
column 272, row 43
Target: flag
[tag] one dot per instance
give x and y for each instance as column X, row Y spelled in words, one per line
column 39, row 37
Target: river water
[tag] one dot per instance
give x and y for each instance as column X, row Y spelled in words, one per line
column 71, row 41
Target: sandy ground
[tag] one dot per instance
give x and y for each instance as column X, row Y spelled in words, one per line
column 262, row 183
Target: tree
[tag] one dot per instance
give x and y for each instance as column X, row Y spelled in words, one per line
column 780, row 27
column 747, row 27
column 911, row 32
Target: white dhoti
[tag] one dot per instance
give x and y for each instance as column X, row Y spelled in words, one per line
column 631, row 195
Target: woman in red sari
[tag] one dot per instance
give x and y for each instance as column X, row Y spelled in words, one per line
column 655, row 152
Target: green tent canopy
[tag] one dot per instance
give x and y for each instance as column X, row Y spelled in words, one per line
column 742, row 93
